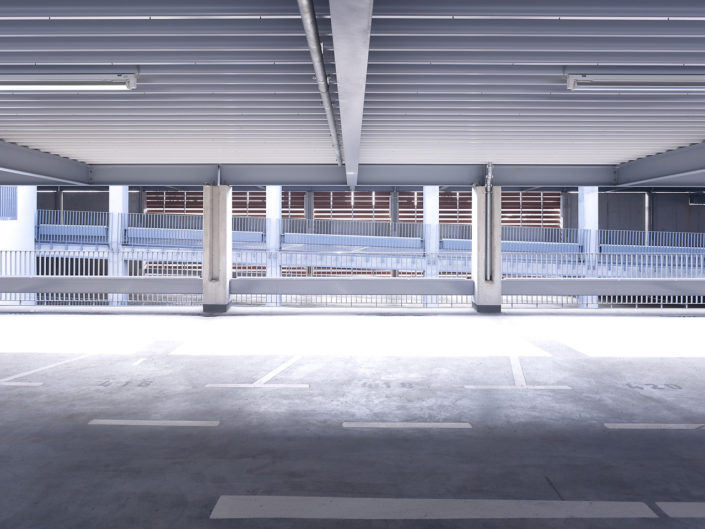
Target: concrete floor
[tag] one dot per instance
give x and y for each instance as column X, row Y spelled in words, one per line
column 61, row 471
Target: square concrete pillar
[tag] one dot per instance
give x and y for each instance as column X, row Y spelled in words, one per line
column 274, row 237
column 588, row 225
column 118, row 208
column 487, row 248
column 217, row 248
column 431, row 237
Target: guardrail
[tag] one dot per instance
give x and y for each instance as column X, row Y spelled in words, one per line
column 352, row 227
column 671, row 239
column 537, row 234
column 391, row 252
column 73, row 227
column 603, row 265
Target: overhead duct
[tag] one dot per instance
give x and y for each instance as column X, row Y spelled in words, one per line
column 308, row 18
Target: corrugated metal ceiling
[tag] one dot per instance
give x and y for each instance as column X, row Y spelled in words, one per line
column 449, row 81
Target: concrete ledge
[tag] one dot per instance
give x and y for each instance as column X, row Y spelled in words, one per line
column 353, row 240
column 100, row 285
column 603, row 287
column 356, row 287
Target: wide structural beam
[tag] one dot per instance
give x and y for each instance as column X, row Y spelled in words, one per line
column 351, row 22
column 684, row 167
column 369, row 175
column 23, row 166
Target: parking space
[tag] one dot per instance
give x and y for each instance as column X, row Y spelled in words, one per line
column 285, row 438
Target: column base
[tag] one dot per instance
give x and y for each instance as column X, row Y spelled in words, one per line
column 216, row 309
column 487, row 309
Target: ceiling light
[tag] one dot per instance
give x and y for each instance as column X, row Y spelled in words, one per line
column 636, row 83
column 64, row 83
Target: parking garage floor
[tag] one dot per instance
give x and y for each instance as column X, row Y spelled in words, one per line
column 319, row 419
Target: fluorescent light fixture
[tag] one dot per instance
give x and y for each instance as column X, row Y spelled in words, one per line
column 636, row 83
column 67, row 82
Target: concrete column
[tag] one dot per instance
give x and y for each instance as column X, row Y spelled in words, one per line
column 60, row 202
column 487, row 248
column 588, row 217
column 394, row 218
column 431, row 229
column 394, row 212
column 17, row 239
column 588, row 224
column 217, row 248
column 310, row 214
column 118, row 207
column 308, row 211
column 648, row 216
column 273, row 236
column 431, row 236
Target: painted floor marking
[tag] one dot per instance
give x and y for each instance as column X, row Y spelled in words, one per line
column 682, row 509
column 262, row 382
column 518, row 387
column 136, row 422
column 651, row 426
column 427, row 425
column 519, row 379
column 517, row 371
column 336, row 508
column 138, row 362
column 9, row 380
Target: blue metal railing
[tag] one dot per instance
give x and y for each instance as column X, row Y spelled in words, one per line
column 73, row 227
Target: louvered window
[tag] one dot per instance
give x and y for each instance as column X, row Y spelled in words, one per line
column 245, row 203
column 347, row 205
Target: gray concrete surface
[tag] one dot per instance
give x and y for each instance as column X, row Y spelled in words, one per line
column 59, row 471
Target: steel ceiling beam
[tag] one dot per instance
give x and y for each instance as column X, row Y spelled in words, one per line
column 680, row 168
column 369, row 175
column 351, row 22
column 21, row 165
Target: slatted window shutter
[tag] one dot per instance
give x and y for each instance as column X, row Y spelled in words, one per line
column 348, row 205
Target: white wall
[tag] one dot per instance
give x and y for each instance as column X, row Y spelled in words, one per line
column 19, row 234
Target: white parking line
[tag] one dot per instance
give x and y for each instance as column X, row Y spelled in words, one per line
column 262, row 382
column 519, row 379
column 683, row 509
column 264, row 386
column 269, row 376
column 138, row 362
column 136, row 422
column 9, row 380
column 335, row 508
column 517, row 371
column 651, row 426
column 427, row 425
